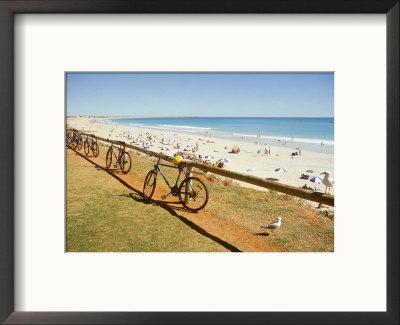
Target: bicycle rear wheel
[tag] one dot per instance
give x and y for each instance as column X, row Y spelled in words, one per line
column 68, row 139
column 125, row 162
column 108, row 158
column 86, row 147
column 95, row 149
column 149, row 185
column 193, row 194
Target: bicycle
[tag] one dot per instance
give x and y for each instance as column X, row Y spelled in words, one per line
column 192, row 192
column 74, row 140
column 123, row 159
column 91, row 144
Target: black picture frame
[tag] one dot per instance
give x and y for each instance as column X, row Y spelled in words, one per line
column 7, row 11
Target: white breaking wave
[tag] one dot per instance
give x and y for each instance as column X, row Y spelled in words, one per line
column 136, row 124
column 105, row 121
column 184, row 127
column 303, row 140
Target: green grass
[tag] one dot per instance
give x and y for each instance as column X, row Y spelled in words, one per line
column 104, row 215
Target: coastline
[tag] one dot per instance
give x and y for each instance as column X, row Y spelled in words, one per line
column 247, row 161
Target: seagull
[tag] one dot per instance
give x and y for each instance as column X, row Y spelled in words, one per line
column 327, row 181
column 273, row 225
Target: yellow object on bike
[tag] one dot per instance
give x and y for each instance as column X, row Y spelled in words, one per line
column 177, row 160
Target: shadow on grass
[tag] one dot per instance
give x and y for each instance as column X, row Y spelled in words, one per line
column 138, row 197
column 187, row 222
column 263, row 234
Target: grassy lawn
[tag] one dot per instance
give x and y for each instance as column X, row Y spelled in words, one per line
column 106, row 213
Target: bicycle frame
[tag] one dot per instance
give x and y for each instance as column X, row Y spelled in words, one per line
column 158, row 170
column 120, row 151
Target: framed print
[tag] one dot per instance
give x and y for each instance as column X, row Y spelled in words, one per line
column 269, row 93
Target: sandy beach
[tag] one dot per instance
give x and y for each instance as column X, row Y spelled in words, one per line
column 251, row 159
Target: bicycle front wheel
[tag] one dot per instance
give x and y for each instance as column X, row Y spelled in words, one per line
column 80, row 143
column 193, row 194
column 86, row 147
column 149, row 185
column 125, row 162
column 95, row 149
column 108, row 158
column 73, row 144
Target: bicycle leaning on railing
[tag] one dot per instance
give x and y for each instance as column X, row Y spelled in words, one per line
column 123, row 159
column 74, row 139
column 192, row 192
column 90, row 144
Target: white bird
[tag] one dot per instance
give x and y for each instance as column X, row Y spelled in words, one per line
column 273, row 225
column 327, row 181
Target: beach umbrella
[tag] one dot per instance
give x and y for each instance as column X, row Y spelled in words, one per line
column 281, row 170
column 164, row 148
column 316, row 179
column 224, row 160
column 209, row 157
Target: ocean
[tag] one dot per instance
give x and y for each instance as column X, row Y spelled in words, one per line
column 303, row 132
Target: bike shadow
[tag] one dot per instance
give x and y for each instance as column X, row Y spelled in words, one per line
column 168, row 205
column 191, row 224
column 138, row 197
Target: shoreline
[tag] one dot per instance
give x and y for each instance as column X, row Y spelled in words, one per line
column 322, row 145
column 247, row 161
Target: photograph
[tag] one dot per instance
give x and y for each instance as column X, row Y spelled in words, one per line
column 199, row 162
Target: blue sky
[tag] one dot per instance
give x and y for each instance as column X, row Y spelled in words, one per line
column 201, row 94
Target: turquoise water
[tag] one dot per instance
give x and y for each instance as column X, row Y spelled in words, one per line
column 306, row 133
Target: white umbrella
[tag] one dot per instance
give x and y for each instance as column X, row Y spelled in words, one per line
column 209, row 157
column 281, row 170
column 316, row 179
column 224, row 160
